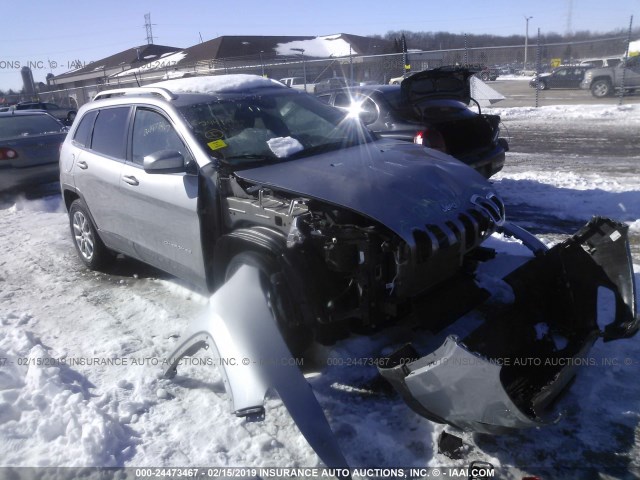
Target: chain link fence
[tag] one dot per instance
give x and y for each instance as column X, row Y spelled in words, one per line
column 373, row 69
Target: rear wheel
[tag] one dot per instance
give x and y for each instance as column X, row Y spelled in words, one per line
column 484, row 77
column 601, row 88
column 279, row 298
column 90, row 248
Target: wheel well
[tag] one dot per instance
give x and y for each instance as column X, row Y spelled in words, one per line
column 69, row 197
column 597, row 79
column 302, row 273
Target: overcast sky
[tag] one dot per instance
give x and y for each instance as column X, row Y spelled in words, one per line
column 59, row 33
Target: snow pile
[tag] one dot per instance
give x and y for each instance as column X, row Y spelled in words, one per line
column 623, row 113
column 320, row 47
column 47, row 417
column 218, row 83
column 581, row 194
column 284, row 146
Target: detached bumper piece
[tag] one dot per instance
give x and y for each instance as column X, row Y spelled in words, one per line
column 508, row 373
column 240, row 329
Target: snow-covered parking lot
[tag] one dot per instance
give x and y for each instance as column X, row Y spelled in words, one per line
column 81, row 353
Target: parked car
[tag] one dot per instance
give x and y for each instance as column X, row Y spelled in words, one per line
column 398, row 80
column 29, row 148
column 306, row 226
column 605, row 81
column 298, row 83
column 439, row 117
column 332, row 83
column 560, row 77
column 65, row 115
column 488, row 74
column 602, row 61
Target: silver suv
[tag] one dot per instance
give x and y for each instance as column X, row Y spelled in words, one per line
column 308, row 227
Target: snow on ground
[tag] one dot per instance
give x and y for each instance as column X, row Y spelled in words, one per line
column 563, row 113
column 81, row 356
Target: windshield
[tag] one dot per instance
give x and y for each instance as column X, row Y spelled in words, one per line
column 275, row 126
column 26, row 125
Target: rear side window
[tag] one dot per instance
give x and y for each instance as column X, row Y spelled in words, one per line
column 83, row 133
column 110, row 132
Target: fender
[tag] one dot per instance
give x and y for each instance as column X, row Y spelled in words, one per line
column 241, row 330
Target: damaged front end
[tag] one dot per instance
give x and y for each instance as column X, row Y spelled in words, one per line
column 507, row 373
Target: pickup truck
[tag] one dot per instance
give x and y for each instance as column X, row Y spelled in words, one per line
column 605, row 81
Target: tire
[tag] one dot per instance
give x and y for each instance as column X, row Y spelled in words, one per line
column 484, row 77
column 89, row 246
column 601, row 88
column 542, row 85
column 279, row 297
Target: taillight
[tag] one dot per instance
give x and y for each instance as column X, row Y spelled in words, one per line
column 8, row 153
column 430, row 138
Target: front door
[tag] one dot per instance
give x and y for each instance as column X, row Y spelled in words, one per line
column 161, row 216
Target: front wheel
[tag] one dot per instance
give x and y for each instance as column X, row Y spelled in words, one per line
column 601, row 88
column 90, row 248
column 542, row 85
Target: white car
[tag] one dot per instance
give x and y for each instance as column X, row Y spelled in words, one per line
column 298, row 83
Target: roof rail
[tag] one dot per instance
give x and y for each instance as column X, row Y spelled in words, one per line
column 163, row 92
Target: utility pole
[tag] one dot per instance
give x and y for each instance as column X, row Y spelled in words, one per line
column 526, row 41
column 304, row 66
column 147, row 24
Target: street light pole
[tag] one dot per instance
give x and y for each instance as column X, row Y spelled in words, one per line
column 304, row 67
column 526, row 41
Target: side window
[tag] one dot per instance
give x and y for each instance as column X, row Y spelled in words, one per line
column 83, row 133
column 110, row 132
column 324, row 98
column 152, row 132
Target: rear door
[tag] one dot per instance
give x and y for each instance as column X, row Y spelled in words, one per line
column 160, row 214
column 96, row 168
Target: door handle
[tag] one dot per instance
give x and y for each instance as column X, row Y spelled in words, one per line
column 131, row 180
column 82, row 164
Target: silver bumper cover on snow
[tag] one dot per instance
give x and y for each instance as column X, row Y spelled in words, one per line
column 507, row 374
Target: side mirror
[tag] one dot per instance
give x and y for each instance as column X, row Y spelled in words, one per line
column 164, row 161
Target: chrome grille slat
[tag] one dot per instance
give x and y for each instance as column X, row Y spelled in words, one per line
column 466, row 230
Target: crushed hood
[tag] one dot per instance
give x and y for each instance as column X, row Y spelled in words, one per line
column 438, row 83
column 400, row 185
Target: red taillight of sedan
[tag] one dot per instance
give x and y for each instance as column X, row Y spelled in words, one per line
column 8, row 153
column 430, row 138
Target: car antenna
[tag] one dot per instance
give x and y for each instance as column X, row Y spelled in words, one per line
column 136, row 77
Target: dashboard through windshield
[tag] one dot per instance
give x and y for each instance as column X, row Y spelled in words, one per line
column 271, row 127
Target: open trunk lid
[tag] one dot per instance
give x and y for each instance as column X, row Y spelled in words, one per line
column 439, row 83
